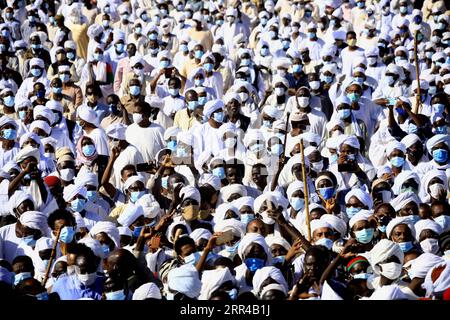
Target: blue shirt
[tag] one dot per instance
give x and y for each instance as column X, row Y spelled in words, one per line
column 70, row 288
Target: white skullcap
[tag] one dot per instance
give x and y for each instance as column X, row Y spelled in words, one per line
column 88, row 114
column 146, row 291
column 109, row 228
column 410, row 139
column 37, row 62
column 131, row 180
column 227, row 191
column 94, row 245
column 337, row 223
column 350, row 140
column 116, row 131
column 27, row 152
column 200, row 233
column 45, row 112
column 185, row 137
column 426, row 224
column 395, row 145
column 212, row 180
column 55, row 106
column 41, row 124
column 124, row 231
column 272, row 239
column 211, row 107
column 243, row 201
column 383, row 250
column 189, row 192
column 87, row 178
column 130, row 214
column 233, row 225
column 43, row 243
column 277, row 79
column 94, row 30
column 185, row 279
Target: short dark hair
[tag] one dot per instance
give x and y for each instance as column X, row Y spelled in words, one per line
column 26, row 260
column 349, row 33
column 59, row 215
column 182, row 242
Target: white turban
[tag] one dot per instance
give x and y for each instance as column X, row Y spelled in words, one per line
column 231, row 189
column 109, row 228
column 395, row 145
column 150, row 205
column 34, row 220
column 185, row 280
column 361, row 195
column 94, row 245
column 221, row 211
column 147, row 290
column 130, row 214
column 171, row 132
column 236, row 227
column 200, row 233
column 94, row 30
column 87, row 178
column 296, row 158
column 403, row 199
column 37, row 62
column 250, row 238
column 426, row 224
column 185, row 137
column 268, row 272
column 27, row 152
column 402, row 178
column 423, row 263
column 230, row 96
column 17, row 198
column 406, row 220
column 170, row 230
column 45, row 112
column 243, row 201
column 410, row 139
column 88, row 114
column 213, row 279
column 40, row 124
column 116, row 131
column 211, row 107
column 382, row 251
column 277, row 79
column 293, row 187
column 318, row 224
column 212, row 180
column 438, row 138
column 337, row 223
column 124, row 231
column 132, row 180
column 441, row 284
column 272, row 111
column 189, row 192
column 362, row 215
column 72, row 190
column 43, row 243
column 272, row 239
column 388, row 292
column 253, row 135
column 350, row 140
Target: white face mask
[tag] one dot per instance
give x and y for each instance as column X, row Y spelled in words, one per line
column 430, row 245
column 67, row 174
column 314, row 85
column 279, row 91
column 137, row 118
column 87, row 279
column 391, row 270
column 317, row 166
column 303, row 102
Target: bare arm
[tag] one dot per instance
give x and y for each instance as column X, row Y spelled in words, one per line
column 109, row 188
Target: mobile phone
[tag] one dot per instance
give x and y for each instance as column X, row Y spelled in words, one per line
column 225, row 237
column 143, row 167
column 349, row 165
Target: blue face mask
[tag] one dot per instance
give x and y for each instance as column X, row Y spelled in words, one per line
column 364, row 236
column 136, row 195
column 199, row 82
column 57, row 90
column 8, row 101
column 21, row 276
column 88, row 150
column 246, row 218
column 412, row 128
column 120, row 47
column 153, row 36
column 443, row 220
column 202, row 100
column 67, row 234
column 135, row 90
column 22, row 115
column 333, row 158
column 297, row 203
column 91, row 195
column 137, row 231
column 327, row 193
column 344, row 113
column 397, row 162
column 272, row 34
column 115, row 295
column 77, row 205
column 164, row 64
column 9, row 134
column 308, row 14
column 440, row 155
column 311, row 35
column 328, row 243
column 382, row 229
column 363, row 276
column 438, row 107
column 36, row 72
column 70, row 55
column 173, row 91
column 29, row 240
column 297, row 68
column 233, row 293
column 353, row 97
column 233, row 248
column 218, row 117
column 192, row 258
column 208, row 67
column 264, row 52
column 172, row 145
column 441, row 130
column 192, row 105
column 254, row 264
column 219, row 172
column 351, row 211
column 405, row 246
column 42, row 296
column 278, row 260
column 184, row 48
column 105, row 249
column 165, row 182
column 198, row 54
column 327, row 79
column 64, row 78
column 276, row 149
column 401, row 112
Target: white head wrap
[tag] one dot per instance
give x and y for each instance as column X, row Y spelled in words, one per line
column 109, row 228
column 268, row 272
column 213, row 279
column 147, row 290
column 34, row 220
column 407, row 220
column 361, row 195
column 382, row 251
column 130, row 215
column 185, row 280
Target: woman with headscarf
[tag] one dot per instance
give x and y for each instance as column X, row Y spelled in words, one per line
column 88, row 159
column 218, row 280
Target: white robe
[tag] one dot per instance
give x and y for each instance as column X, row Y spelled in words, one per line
column 147, row 140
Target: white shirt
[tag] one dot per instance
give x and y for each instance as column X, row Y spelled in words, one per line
column 147, row 140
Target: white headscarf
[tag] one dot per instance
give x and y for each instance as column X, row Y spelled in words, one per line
column 212, row 280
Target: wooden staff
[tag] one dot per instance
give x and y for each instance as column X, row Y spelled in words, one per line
column 416, row 62
column 52, row 257
column 305, row 187
column 286, row 134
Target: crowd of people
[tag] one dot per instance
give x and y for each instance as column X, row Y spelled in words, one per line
column 225, row 150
